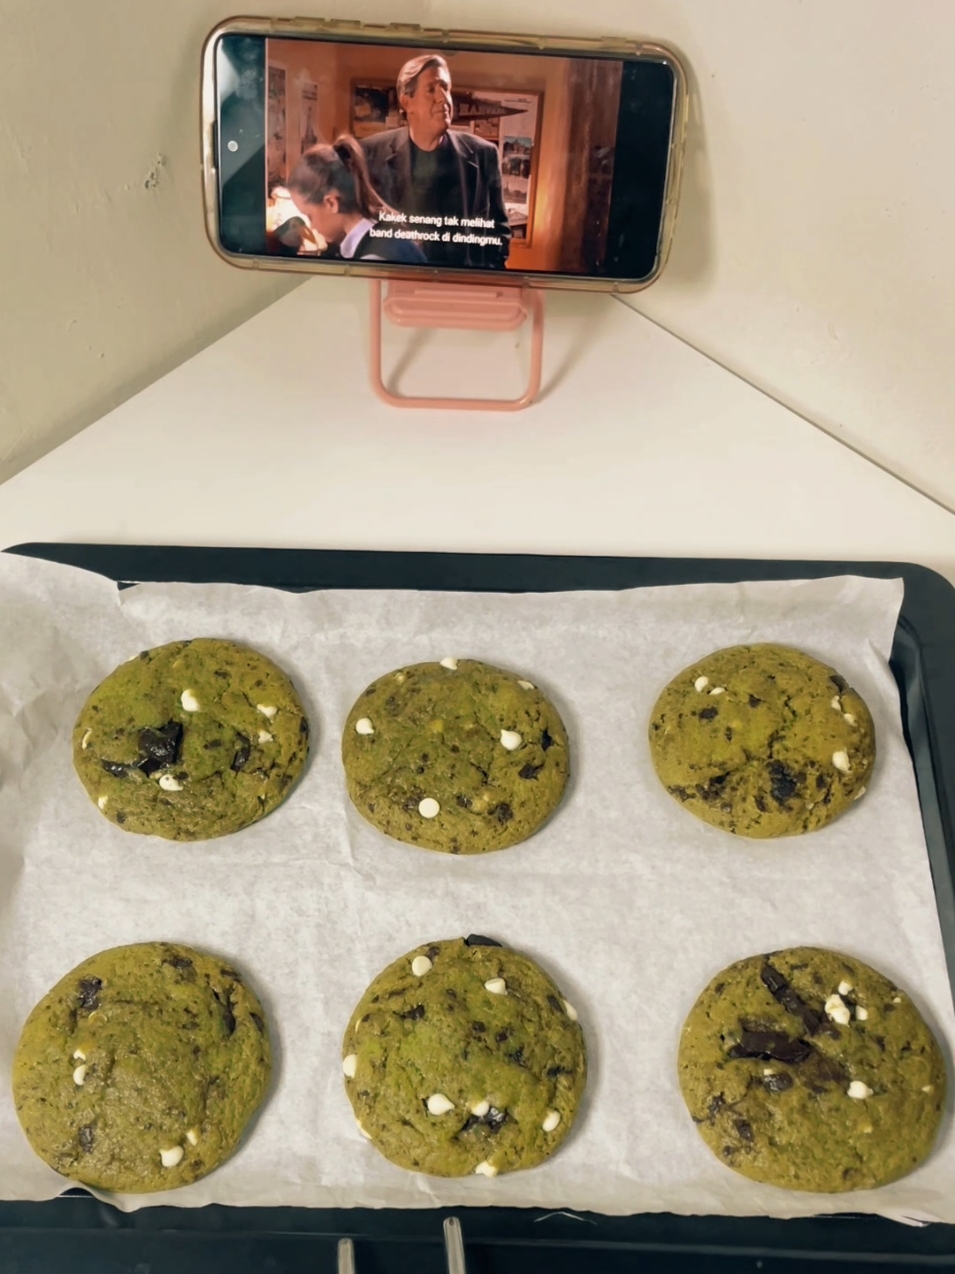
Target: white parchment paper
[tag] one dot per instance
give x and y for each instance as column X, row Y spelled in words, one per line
column 629, row 902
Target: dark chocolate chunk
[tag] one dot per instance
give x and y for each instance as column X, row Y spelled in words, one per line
column 413, row 1015
column 707, row 714
column 555, row 1004
column 554, row 1071
column 88, row 993
column 770, row 1046
column 778, row 1083
column 680, row 792
column 745, row 1130
column 162, row 747
column 839, row 682
column 213, row 743
column 242, row 754
column 716, row 1105
column 728, row 734
column 783, row 784
column 478, row 940
column 503, row 812
column 120, row 817
column 517, row 1056
column 782, row 992
column 463, row 801
column 86, row 1137
column 713, row 790
column 492, row 1121
column 546, row 740
column 503, row 1036
column 478, row 1028
column 433, row 952
column 225, row 1008
column 117, row 768
column 259, row 1023
column 754, row 702
column 530, row 771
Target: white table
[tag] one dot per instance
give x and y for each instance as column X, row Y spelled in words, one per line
column 642, row 446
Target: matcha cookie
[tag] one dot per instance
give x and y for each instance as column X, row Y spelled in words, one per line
column 762, row 741
column 463, row 1057
column 809, row 1070
column 141, row 1068
column 455, row 756
column 191, row 740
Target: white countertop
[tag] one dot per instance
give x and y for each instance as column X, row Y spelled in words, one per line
column 272, row 437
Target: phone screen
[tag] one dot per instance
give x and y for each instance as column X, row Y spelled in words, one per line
column 459, row 160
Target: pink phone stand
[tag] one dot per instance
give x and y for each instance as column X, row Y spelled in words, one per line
column 475, row 306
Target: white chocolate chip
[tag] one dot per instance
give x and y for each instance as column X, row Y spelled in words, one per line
column 841, row 761
column 928, row 1088
column 836, row 703
column 362, row 1129
column 421, row 965
column 480, row 1108
column 264, row 736
column 551, row 1120
column 485, row 1169
column 526, row 685
column 192, row 1137
column 79, row 1055
column 848, row 718
column 171, row 1157
column 897, row 999
column 837, row 1010
column 449, row 662
column 496, row 986
column 845, row 988
column 861, row 1013
column 700, row 684
column 569, row 1010
column 350, row 1065
column 267, row 709
column 718, row 690
column 859, row 794
column 510, row 739
column 79, row 1075
column 364, row 726
column 101, row 801
column 858, row 1090
column 170, row 784
column 768, row 1070
column 86, row 740
column 438, row 1104
column 429, row 807
column 189, row 701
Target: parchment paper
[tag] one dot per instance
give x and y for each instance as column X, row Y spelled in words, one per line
column 628, row 901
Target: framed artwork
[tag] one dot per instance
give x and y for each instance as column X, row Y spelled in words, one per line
column 308, row 114
column 276, row 148
column 510, row 120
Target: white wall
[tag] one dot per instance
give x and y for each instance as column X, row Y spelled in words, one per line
column 815, row 252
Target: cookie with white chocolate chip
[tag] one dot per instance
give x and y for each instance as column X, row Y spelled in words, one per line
column 141, row 1068
column 191, row 740
column 463, row 1057
column 455, row 756
column 810, row 1070
column 763, row 741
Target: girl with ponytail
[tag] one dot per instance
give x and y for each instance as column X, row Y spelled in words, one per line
column 330, row 185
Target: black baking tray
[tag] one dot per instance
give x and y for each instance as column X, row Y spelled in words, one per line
column 79, row 1234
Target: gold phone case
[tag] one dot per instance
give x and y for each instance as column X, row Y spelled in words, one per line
column 426, row 38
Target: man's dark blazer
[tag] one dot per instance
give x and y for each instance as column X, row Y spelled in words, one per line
column 389, row 163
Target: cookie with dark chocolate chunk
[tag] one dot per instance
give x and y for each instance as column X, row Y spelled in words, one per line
column 762, row 741
column 141, row 1068
column 455, row 756
column 464, row 1059
column 810, row 1070
column 191, row 740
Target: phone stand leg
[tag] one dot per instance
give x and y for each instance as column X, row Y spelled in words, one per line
column 480, row 307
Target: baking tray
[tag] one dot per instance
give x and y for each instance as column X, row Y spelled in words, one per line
column 78, row 1233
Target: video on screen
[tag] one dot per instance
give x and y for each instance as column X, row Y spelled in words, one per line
column 456, row 160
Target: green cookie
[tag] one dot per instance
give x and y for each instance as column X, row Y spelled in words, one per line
column 809, row 1070
column 762, row 741
column 455, row 756
column 141, row 1068
column 191, row 740
column 463, row 1057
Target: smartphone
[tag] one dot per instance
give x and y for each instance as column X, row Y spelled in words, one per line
column 397, row 151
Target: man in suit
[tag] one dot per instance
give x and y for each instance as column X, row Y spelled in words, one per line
column 427, row 168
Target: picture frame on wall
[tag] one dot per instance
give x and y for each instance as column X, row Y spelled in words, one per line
column 510, row 119
column 277, row 142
